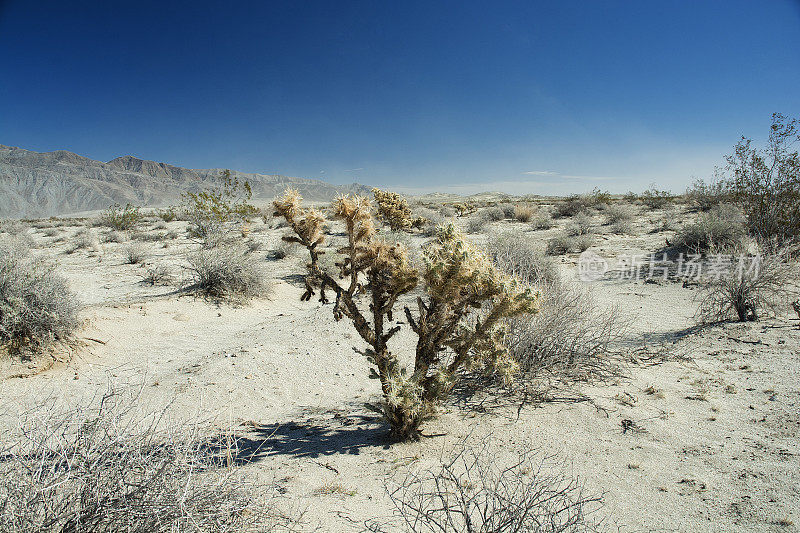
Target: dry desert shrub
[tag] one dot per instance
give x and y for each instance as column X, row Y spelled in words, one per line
column 581, row 224
column 492, row 214
column 721, row 227
column 476, row 224
column 542, row 220
column 619, row 213
column 134, row 253
column 705, row 196
column 158, row 275
column 36, row 305
column 570, row 336
column 227, row 271
column 104, row 469
column 753, row 286
column 560, row 245
column 113, row 236
column 655, row 198
column 13, row 227
column 432, row 220
column 471, row 491
column 517, row 255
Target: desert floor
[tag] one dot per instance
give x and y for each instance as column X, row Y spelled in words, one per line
column 715, row 411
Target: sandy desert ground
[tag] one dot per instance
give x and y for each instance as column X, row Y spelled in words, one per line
column 698, row 432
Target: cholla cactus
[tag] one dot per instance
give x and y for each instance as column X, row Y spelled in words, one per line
column 458, row 317
column 393, row 210
column 464, row 209
column 307, row 225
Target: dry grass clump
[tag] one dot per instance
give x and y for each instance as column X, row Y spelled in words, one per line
column 752, row 286
column 104, row 469
column 36, row 305
column 134, row 253
column 722, row 227
column 523, row 212
column 473, row 491
column 227, row 271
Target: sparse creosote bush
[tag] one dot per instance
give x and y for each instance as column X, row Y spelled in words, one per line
column 36, row 305
column 765, row 182
column 458, row 278
column 394, row 211
column 121, row 218
column 216, row 215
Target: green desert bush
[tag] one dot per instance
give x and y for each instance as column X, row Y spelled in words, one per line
column 472, row 490
column 36, row 304
column 765, row 182
column 217, row 214
column 107, row 469
column 655, row 198
column 704, row 196
column 227, row 271
column 120, row 218
column 458, row 279
column 722, row 227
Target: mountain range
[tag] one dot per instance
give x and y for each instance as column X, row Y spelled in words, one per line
column 42, row 184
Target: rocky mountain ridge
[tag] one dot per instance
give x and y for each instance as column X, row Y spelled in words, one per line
column 41, row 184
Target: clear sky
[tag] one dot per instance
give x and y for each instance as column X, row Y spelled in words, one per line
column 541, row 97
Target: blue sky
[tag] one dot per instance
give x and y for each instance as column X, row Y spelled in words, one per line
column 416, row 96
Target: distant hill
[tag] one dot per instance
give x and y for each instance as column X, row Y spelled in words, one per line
column 41, row 184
